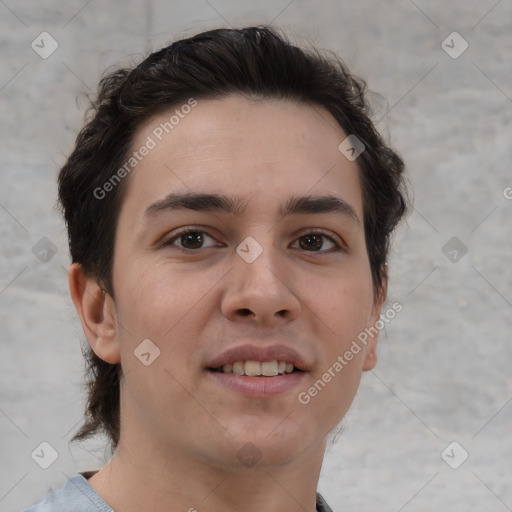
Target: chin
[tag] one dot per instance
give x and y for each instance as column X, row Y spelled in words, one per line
column 267, row 442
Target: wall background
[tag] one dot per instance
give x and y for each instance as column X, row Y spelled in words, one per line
column 443, row 373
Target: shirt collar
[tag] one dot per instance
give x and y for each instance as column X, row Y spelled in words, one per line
column 321, row 504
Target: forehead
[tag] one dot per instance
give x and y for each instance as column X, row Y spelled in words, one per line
column 259, row 150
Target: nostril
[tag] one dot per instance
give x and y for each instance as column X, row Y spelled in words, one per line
column 245, row 312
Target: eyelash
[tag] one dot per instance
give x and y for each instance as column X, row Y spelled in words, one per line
column 170, row 242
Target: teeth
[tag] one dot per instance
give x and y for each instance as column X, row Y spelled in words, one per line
column 269, row 368
column 252, row 368
column 238, row 368
column 256, row 368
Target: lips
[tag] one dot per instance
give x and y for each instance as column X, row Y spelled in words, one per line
column 253, row 371
column 258, row 353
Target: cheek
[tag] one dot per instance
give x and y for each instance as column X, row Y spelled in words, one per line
column 162, row 304
column 166, row 308
column 345, row 308
column 345, row 303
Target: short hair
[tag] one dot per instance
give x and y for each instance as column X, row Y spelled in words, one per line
column 252, row 62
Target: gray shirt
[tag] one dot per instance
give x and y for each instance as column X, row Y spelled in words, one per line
column 77, row 495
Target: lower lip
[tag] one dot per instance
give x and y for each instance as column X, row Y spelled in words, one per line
column 258, row 386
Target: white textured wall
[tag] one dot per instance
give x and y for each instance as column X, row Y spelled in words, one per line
column 444, row 369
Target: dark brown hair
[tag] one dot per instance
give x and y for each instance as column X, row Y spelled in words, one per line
column 255, row 62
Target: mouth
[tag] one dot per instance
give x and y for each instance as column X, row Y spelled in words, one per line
column 258, row 368
column 258, row 371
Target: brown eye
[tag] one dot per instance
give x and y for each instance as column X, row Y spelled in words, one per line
column 314, row 242
column 311, row 242
column 192, row 240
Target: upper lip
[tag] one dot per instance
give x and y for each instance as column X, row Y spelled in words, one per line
column 260, row 353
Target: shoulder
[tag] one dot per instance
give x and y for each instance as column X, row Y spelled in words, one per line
column 76, row 494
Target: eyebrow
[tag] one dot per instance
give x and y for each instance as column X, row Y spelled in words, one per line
column 236, row 206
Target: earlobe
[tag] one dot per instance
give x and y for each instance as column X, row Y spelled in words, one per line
column 370, row 357
column 97, row 314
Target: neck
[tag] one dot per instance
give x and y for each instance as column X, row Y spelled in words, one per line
column 140, row 477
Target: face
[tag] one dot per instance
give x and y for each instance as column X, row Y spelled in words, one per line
column 240, row 248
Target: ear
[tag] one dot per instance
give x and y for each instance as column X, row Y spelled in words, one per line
column 97, row 313
column 370, row 357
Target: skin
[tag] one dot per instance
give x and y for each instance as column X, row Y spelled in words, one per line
column 180, row 431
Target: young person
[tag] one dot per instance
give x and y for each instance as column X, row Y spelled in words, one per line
column 229, row 207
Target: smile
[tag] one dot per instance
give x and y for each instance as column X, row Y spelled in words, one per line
column 257, row 368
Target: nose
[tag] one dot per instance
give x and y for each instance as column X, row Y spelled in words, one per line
column 260, row 292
